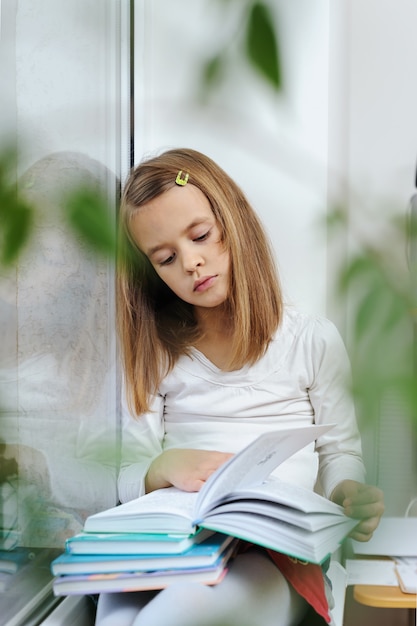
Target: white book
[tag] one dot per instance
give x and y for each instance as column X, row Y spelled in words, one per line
column 240, row 500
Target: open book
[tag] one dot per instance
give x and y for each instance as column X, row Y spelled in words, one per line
column 242, row 500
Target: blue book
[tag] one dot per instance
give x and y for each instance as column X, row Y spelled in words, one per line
column 134, row 543
column 12, row 560
column 140, row 581
column 203, row 554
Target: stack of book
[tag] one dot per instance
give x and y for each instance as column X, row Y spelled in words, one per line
column 109, row 562
column 170, row 535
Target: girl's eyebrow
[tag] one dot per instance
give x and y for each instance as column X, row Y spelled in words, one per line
column 161, row 246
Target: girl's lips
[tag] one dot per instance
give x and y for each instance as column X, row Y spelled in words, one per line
column 204, row 283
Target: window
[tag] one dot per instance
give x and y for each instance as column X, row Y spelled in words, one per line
column 66, row 104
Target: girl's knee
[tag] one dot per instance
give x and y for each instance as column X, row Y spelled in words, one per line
column 184, row 604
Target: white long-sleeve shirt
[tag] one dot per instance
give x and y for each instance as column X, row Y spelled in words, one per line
column 301, row 379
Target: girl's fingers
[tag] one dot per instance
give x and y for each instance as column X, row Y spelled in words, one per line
column 365, row 529
column 364, row 502
column 364, row 511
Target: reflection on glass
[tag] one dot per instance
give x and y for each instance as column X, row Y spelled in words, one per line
column 57, row 390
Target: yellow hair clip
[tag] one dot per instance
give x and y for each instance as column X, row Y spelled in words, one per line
column 182, row 180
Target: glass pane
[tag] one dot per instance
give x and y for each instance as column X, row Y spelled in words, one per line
column 57, row 371
column 58, row 378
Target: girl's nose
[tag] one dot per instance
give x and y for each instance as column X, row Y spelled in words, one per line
column 191, row 261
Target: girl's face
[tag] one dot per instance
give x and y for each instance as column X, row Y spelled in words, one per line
column 179, row 234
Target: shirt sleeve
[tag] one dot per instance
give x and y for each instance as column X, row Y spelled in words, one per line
column 340, row 450
column 141, row 442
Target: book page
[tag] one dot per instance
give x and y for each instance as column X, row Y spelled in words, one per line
column 253, row 464
column 371, row 572
column 171, row 505
column 276, row 491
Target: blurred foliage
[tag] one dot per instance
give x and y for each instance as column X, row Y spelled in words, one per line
column 16, row 216
column 378, row 282
column 261, row 42
column 260, row 47
column 89, row 215
column 85, row 209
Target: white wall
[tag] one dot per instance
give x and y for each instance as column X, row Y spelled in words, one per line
column 382, row 99
column 275, row 146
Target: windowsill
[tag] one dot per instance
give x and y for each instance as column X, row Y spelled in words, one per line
column 27, row 591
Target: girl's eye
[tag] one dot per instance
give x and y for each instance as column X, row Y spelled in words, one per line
column 202, row 237
column 168, row 260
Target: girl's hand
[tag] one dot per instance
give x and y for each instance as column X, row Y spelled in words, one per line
column 183, row 468
column 363, row 502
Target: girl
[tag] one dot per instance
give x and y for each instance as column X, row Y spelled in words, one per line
column 212, row 359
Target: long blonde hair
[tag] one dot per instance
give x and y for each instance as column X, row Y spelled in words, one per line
column 155, row 326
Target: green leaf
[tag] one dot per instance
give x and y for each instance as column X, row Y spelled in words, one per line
column 89, row 215
column 359, row 268
column 261, row 44
column 16, row 215
column 367, row 396
column 213, row 69
column 406, row 387
column 211, row 75
column 338, row 217
column 16, row 222
column 398, row 310
column 368, row 310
